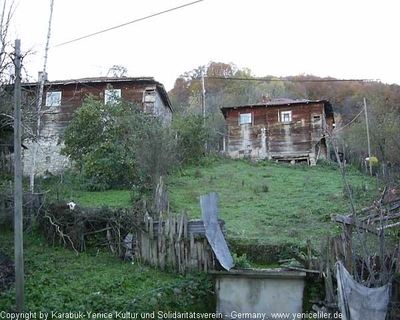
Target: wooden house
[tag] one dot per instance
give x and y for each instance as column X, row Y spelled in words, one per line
column 62, row 98
column 281, row 129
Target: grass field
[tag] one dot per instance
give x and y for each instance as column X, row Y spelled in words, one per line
column 271, row 203
column 261, row 202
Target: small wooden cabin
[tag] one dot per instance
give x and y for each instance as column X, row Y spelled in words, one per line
column 281, row 129
column 62, row 98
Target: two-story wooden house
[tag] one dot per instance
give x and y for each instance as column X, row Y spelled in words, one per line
column 281, row 129
column 62, row 98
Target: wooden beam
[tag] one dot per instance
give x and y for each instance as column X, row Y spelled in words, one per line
column 18, row 213
column 352, row 222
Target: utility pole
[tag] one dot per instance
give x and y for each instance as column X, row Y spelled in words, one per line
column 18, row 216
column 203, row 104
column 368, row 141
column 203, row 97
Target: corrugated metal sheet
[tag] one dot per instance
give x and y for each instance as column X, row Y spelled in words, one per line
column 195, row 227
column 215, row 237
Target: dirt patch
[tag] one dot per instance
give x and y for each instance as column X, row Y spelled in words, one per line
column 7, row 276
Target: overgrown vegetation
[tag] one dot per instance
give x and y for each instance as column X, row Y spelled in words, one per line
column 129, row 148
column 59, row 280
column 269, row 209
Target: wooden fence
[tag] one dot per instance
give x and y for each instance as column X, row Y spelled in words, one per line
column 175, row 243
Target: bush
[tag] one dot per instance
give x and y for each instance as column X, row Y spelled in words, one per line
column 241, row 261
column 192, row 137
column 116, row 145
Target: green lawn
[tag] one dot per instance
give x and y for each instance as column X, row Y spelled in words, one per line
column 271, row 203
column 260, row 202
column 72, row 188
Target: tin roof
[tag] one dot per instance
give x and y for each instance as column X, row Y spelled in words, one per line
column 282, row 102
column 149, row 80
column 98, row 80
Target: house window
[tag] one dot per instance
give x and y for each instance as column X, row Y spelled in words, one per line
column 53, row 99
column 245, row 118
column 112, row 96
column 286, row 116
column 149, row 100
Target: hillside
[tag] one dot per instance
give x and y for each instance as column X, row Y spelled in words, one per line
column 269, row 203
column 261, row 202
column 228, row 86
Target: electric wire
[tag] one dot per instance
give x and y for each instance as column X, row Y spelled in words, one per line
column 351, row 121
column 125, row 24
column 289, row 80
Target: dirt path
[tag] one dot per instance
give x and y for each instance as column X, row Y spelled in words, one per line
column 6, row 272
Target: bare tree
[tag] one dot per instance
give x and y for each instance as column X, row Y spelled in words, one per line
column 39, row 104
column 6, row 97
column 5, row 18
column 118, row 71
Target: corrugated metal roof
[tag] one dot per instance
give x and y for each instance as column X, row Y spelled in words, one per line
column 281, row 102
column 195, row 227
column 150, row 80
column 96, row 80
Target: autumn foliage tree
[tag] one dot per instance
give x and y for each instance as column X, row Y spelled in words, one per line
column 227, row 85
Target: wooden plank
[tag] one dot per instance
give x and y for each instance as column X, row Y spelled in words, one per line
column 180, row 227
column 206, row 257
column 183, row 261
column 186, row 224
column 350, row 221
column 348, row 253
column 178, row 257
column 376, row 218
column 193, row 261
column 151, row 228
column 161, row 244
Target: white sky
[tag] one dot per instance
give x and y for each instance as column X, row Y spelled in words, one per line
column 349, row 39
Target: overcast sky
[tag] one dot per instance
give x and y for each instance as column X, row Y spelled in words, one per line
column 347, row 39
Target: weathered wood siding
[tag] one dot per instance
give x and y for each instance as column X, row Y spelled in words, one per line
column 245, row 139
column 55, row 119
column 268, row 136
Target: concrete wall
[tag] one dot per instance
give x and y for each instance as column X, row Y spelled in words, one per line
column 255, row 294
column 48, row 158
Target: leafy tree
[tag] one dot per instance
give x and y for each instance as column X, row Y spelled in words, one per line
column 116, row 144
column 383, row 119
column 156, row 151
column 192, row 137
column 100, row 141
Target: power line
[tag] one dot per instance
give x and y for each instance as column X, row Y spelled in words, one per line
column 292, row 80
column 348, row 124
column 127, row 23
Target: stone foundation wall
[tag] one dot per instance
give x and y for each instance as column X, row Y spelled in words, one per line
column 48, row 158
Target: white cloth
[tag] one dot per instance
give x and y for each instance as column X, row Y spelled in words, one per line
column 357, row 302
